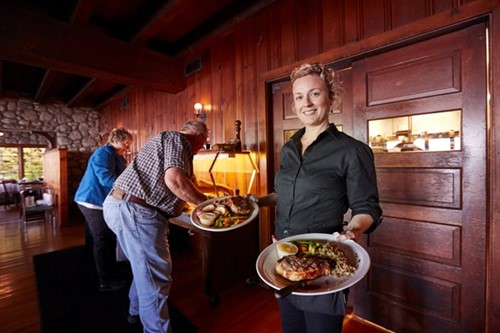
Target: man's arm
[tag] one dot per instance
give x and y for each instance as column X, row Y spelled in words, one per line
column 182, row 186
column 208, row 187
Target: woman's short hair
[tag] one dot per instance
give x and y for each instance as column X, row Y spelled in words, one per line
column 119, row 134
column 328, row 75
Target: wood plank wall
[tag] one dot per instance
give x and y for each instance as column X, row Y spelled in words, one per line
column 271, row 41
column 285, row 33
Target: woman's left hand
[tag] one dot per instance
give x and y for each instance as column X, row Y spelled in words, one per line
column 356, row 227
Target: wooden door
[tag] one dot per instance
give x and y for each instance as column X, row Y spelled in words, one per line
column 429, row 254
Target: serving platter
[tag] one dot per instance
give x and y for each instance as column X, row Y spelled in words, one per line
column 356, row 254
column 196, row 221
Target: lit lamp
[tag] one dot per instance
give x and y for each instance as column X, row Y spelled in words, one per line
column 240, row 162
column 199, row 112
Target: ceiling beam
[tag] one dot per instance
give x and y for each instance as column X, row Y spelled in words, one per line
column 83, row 10
column 36, row 40
column 162, row 17
column 81, row 14
column 81, row 93
column 48, row 78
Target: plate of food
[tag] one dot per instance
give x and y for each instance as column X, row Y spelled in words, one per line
column 312, row 264
column 224, row 213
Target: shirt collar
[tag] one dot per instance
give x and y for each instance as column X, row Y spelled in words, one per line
column 332, row 130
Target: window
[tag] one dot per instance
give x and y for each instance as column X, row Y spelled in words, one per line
column 9, row 163
column 32, row 162
column 439, row 131
column 21, row 162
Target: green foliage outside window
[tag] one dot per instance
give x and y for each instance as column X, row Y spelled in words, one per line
column 9, row 163
column 32, row 162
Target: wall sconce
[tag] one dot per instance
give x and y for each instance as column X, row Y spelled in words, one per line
column 199, row 112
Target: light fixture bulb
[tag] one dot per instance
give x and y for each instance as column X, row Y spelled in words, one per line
column 198, row 107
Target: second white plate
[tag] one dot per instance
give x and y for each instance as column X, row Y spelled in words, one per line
column 198, row 224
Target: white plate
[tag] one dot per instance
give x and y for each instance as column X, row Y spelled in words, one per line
column 357, row 255
column 198, row 224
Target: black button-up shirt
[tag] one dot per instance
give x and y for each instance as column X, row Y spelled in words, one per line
column 315, row 190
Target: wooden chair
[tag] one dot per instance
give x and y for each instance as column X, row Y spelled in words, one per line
column 38, row 204
column 9, row 193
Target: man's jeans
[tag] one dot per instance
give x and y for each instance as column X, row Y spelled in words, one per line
column 142, row 233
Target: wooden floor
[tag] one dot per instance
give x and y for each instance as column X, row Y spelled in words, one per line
column 243, row 308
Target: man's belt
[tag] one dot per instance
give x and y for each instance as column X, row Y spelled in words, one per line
column 122, row 195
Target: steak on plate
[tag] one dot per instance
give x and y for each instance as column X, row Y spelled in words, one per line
column 302, row 267
column 238, row 205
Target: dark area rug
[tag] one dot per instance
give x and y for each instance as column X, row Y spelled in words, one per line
column 70, row 302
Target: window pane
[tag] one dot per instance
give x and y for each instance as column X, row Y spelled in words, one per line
column 9, row 166
column 33, row 163
column 438, row 131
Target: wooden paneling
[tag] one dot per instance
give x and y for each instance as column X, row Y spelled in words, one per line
column 308, row 23
column 401, row 13
column 439, row 6
column 351, row 22
column 288, row 32
column 426, row 77
column 372, row 11
column 493, row 307
column 55, row 174
column 332, row 24
column 433, row 187
column 420, row 240
column 269, row 28
column 396, row 286
column 278, row 36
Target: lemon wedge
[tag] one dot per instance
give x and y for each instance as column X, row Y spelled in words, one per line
column 286, row 249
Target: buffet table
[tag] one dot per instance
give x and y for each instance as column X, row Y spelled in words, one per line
column 227, row 257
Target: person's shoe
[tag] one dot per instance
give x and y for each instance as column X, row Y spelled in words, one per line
column 112, row 286
column 133, row 319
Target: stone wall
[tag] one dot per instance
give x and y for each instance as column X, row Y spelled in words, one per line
column 76, row 129
column 79, row 130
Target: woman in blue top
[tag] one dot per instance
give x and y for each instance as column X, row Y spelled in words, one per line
column 323, row 173
column 104, row 166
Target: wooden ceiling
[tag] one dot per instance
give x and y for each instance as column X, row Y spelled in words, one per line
column 82, row 53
